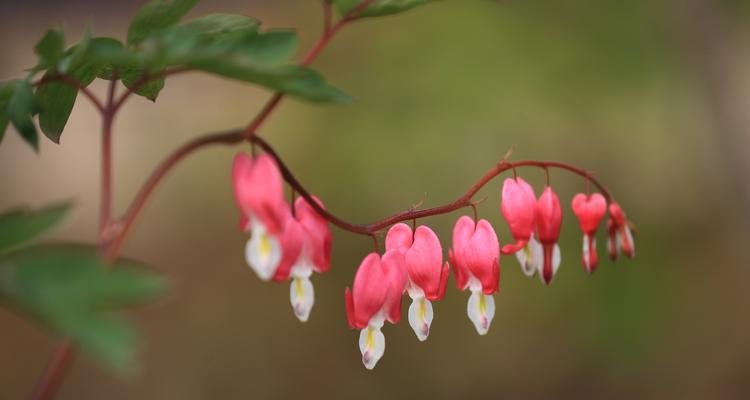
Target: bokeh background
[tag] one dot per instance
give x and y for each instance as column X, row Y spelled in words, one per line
column 651, row 95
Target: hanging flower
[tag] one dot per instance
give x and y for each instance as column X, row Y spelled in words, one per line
column 620, row 236
column 309, row 232
column 475, row 257
column 589, row 210
column 548, row 221
column 519, row 209
column 259, row 194
column 428, row 276
column 376, row 297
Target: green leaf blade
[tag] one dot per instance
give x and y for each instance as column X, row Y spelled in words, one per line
column 22, row 225
column 56, row 100
column 21, row 107
column 69, row 289
column 379, row 8
column 50, row 49
column 156, row 15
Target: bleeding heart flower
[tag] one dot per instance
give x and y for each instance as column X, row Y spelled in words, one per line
column 620, row 237
column 376, row 297
column 548, row 221
column 519, row 209
column 308, row 231
column 258, row 191
column 475, row 257
column 589, row 210
column 428, row 276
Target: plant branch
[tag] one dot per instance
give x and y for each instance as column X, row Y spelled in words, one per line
column 464, row 201
column 126, row 223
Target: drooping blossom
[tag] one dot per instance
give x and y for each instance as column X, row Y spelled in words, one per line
column 309, row 232
column 589, row 209
column 620, row 237
column 475, row 257
column 427, row 275
column 519, row 209
column 259, row 194
column 548, row 221
column 376, row 297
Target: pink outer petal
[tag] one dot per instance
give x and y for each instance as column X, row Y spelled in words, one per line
column 349, row 304
column 589, row 210
column 514, row 248
column 462, row 280
column 547, row 271
column 590, row 259
column 398, row 237
column 443, row 283
column 519, row 208
column 548, row 217
column 291, row 240
column 259, row 190
column 371, row 287
column 481, row 255
column 318, row 233
column 395, row 272
column 424, row 261
column 617, row 214
column 462, row 234
column 612, row 242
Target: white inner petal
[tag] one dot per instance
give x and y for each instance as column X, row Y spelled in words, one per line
column 262, row 252
column 587, row 252
column 629, row 237
column 371, row 345
column 481, row 310
column 302, row 296
column 420, row 317
column 555, row 259
column 414, row 290
column 530, row 257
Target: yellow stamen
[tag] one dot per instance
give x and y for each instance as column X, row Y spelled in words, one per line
column 370, row 338
column 299, row 288
column 482, row 304
column 265, row 246
column 422, row 309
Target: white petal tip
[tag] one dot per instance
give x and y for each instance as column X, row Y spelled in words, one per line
column 481, row 310
column 302, row 296
column 372, row 346
column 420, row 317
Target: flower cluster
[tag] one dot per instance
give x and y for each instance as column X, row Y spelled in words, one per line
column 291, row 243
column 283, row 244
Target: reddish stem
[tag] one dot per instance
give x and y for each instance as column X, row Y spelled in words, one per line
column 54, row 372
column 461, row 202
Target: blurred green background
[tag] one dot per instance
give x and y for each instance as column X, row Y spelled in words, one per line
column 652, row 95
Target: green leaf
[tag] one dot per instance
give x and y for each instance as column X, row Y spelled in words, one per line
column 149, row 90
column 293, row 80
column 76, row 55
column 379, row 8
column 109, row 54
column 71, row 291
column 6, row 92
column 50, row 49
column 157, row 15
column 21, row 107
column 260, row 58
column 217, row 25
column 21, row 225
column 56, row 100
